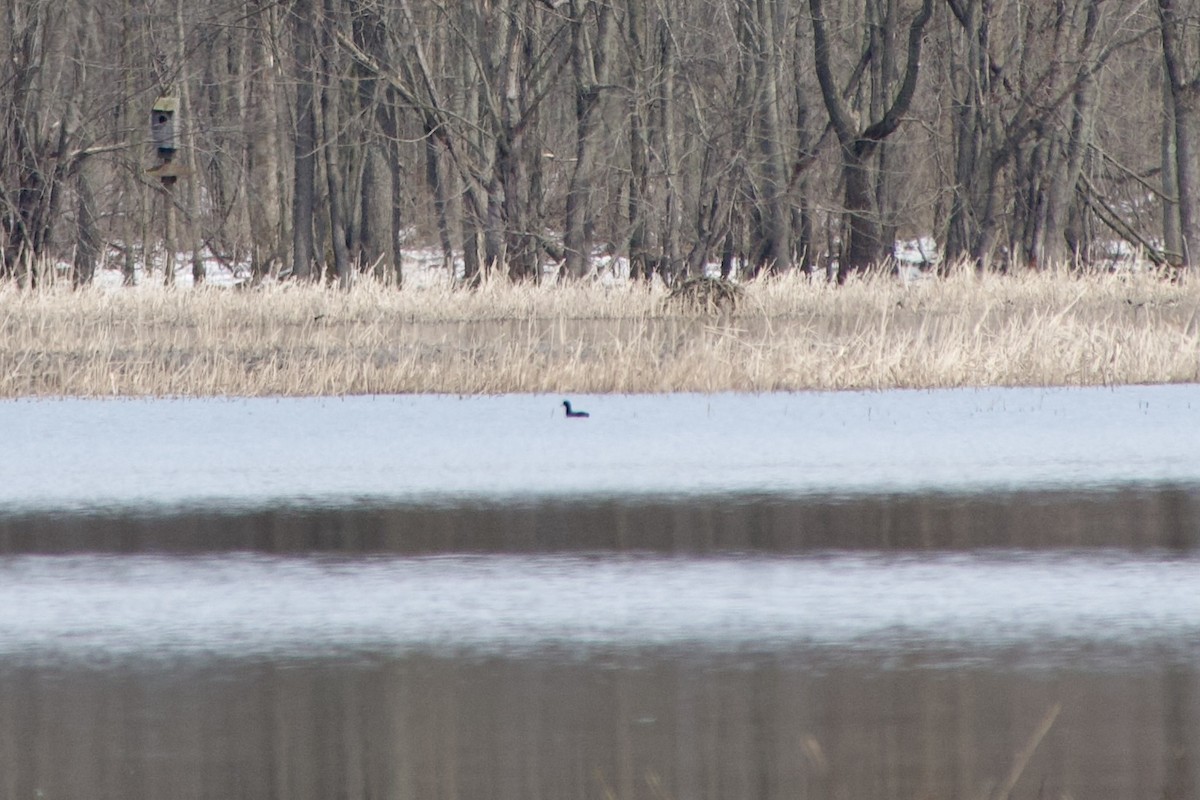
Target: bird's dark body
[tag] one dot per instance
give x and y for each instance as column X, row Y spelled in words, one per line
column 573, row 413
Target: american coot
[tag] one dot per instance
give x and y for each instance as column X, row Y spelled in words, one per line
column 570, row 413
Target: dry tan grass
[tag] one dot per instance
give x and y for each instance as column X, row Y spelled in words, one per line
column 786, row 334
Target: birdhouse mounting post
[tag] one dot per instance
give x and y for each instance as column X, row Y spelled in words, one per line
column 164, row 136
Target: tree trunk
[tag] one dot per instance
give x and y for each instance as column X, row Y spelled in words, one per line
column 133, row 227
column 1062, row 151
column 34, row 157
column 87, row 237
column 638, row 186
column 864, row 247
column 336, row 183
column 517, row 159
column 436, row 183
column 334, row 176
column 775, row 249
column 672, row 219
column 971, row 230
column 590, row 57
column 191, row 188
column 1187, row 129
column 304, row 143
column 884, row 29
column 387, row 115
column 1172, row 236
column 1185, row 93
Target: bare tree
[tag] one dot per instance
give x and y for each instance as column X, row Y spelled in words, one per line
column 1026, row 102
column 864, row 245
column 304, row 143
column 591, row 56
column 1183, row 81
column 511, row 134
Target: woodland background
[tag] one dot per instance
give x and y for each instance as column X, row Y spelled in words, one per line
column 325, row 138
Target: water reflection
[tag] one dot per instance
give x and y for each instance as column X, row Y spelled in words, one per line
column 426, row 727
column 1164, row 517
column 884, row 646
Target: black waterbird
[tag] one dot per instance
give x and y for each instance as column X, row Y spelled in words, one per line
column 570, row 413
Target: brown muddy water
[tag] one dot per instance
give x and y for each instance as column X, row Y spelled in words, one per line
column 1034, row 644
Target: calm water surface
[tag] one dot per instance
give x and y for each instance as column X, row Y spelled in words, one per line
column 942, row 594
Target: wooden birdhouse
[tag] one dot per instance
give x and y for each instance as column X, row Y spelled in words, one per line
column 163, row 128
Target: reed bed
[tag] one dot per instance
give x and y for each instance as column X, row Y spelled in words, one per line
column 786, row 333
